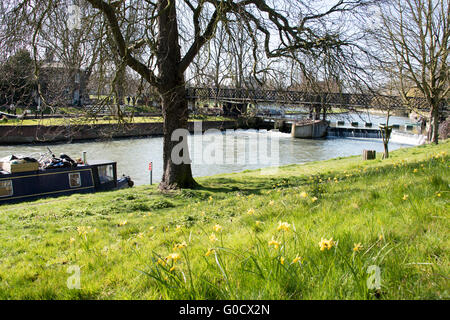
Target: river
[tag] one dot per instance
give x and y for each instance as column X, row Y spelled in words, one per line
column 228, row 152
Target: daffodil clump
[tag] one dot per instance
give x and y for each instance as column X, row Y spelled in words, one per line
column 284, row 226
column 173, row 257
column 122, row 223
column 326, row 244
column 83, row 232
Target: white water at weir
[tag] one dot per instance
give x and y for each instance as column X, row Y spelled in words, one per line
column 408, row 138
column 237, row 150
column 400, row 137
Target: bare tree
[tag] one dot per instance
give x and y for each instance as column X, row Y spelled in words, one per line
column 414, row 38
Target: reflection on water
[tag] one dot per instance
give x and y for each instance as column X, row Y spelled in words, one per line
column 133, row 155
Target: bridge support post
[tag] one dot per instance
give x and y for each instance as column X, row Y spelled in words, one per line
column 312, row 130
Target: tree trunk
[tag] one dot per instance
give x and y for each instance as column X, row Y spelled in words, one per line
column 434, row 124
column 324, row 113
column 386, row 135
column 386, row 150
column 177, row 165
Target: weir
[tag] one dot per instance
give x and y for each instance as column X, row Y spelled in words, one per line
column 299, row 129
column 340, row 132
column 396, row 136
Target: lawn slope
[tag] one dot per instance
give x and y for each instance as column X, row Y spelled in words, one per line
column 336, row 229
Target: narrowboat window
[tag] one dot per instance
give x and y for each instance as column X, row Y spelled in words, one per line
column 75, row 180
column 106, row 173
column 6, row 188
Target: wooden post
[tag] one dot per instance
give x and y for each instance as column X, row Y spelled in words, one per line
column 369, row 154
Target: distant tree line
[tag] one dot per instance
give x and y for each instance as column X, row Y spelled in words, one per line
column 18, row 86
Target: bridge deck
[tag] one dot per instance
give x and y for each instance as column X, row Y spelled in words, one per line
column 341, row 100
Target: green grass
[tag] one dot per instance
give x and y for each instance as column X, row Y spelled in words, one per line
column 100, row 120
column 397, row 209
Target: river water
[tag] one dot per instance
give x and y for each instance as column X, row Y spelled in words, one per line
column 212, row 153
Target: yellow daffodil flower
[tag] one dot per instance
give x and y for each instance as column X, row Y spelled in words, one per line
column 161, row 262
column 213, row 237
column 174, row 257
column 180, row 246
column 297, row 259
column 284, row 226
column 276, row 244
column 357, row 247
column 326, row 244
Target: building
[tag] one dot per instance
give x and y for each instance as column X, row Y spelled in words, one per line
column 61, row 85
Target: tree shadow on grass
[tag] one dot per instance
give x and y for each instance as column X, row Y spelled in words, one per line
column 250, row 186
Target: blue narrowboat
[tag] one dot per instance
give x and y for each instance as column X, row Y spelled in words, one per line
column 79, row 178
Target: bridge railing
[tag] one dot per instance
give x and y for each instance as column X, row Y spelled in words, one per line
column 305, row 98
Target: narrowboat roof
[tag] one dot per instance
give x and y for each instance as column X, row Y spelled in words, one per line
column 79, row 167
column 99, row 162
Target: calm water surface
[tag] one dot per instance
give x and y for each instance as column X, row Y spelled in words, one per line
column 236, row 150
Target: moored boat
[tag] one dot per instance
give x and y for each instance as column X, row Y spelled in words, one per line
column 24, row 179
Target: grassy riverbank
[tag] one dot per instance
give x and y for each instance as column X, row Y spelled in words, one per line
column 252, row 235
column 101, row 120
